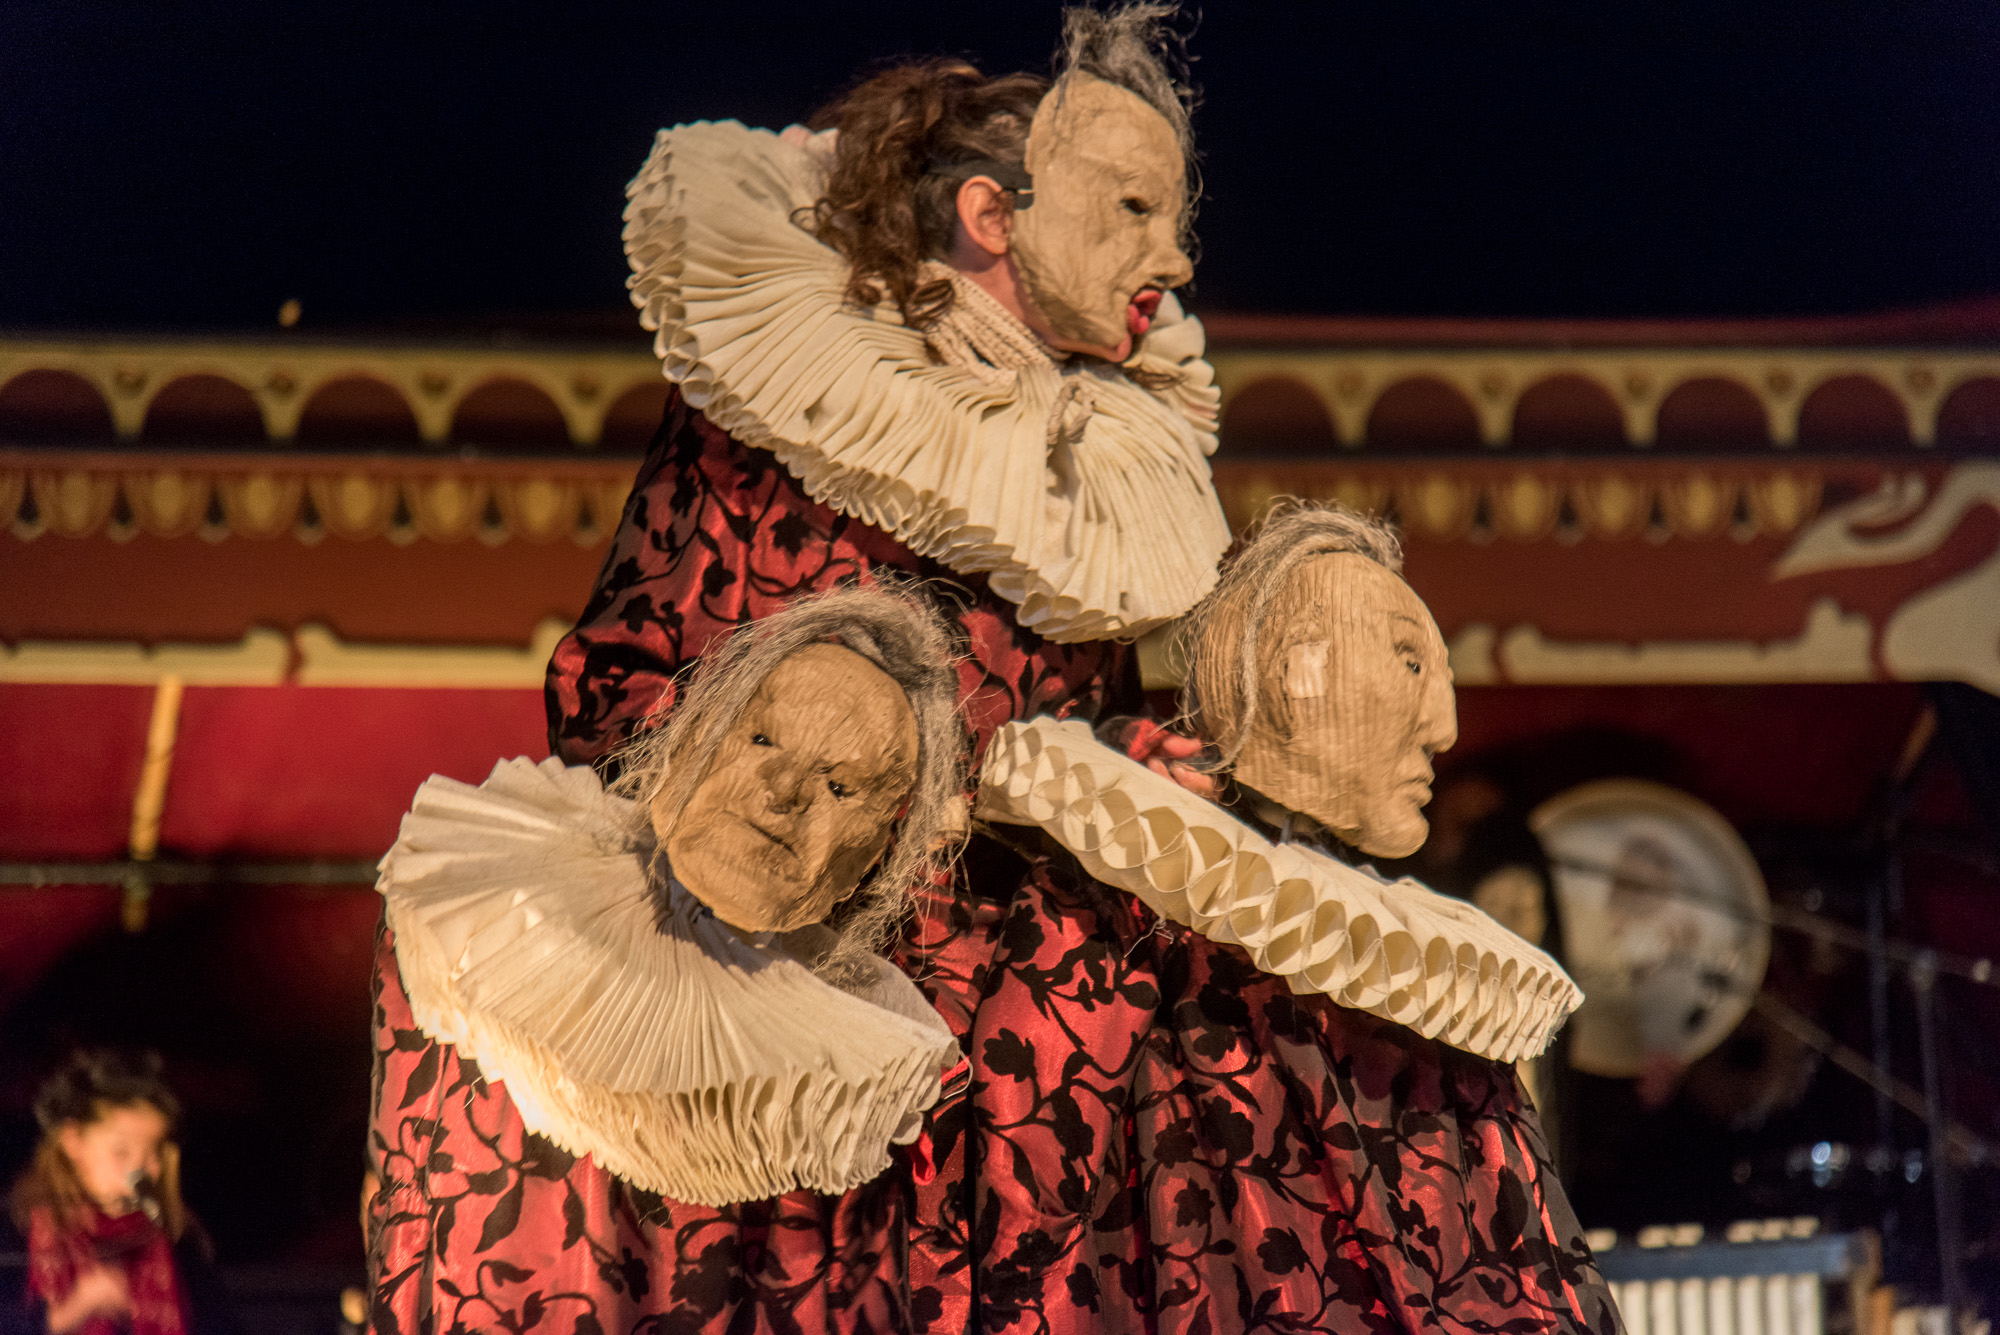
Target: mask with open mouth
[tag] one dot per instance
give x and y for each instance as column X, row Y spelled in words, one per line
column 799, row 800
column 1102, row 239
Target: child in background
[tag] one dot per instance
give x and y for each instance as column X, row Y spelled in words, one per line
column 100, row 1204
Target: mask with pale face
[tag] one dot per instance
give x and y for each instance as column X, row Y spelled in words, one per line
column 799, row 799
column 1356, row 698
column 1102, row 239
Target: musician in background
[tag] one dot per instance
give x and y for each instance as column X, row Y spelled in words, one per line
column 111, row 1247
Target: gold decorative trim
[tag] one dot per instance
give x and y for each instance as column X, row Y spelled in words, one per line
column 311, row 656
column 264, row 496
column 282, row 374
column 326, row 660
column 261, row 658
column 1349, row 381
column 1608, row 501
column 1949, row 630
column 1835, row 645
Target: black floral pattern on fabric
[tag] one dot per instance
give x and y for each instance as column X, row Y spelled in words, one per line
column 481, row 1225
column 1155, row 1136
column 715, row 536
column 1158, row 1136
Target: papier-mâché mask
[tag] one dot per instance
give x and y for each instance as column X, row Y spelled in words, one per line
column 800, row 797
column 1105, row 227
column 1357, row 699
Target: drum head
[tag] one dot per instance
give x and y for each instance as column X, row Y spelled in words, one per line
column 1666, row 923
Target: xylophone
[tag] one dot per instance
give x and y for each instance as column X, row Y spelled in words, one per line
column 1754, row 1285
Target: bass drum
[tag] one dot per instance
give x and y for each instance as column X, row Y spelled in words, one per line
column 1666, row 922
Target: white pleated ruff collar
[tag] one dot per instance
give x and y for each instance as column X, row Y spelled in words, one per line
column 1084, row 498
column 646, row 1034
column 1434, row 964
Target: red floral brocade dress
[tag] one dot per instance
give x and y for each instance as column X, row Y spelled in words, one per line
column 1155, row 1135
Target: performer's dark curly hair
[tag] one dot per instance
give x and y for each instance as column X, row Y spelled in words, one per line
column 888, row 209
column 884, row 208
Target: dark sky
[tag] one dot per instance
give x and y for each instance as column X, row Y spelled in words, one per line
column 196, row 163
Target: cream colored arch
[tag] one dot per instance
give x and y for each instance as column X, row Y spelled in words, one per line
column 1349, row 381
column 281, row 375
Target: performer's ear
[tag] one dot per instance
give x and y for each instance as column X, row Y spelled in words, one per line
column 986, row 215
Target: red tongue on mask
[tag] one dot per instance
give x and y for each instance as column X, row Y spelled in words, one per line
column 1139, row 314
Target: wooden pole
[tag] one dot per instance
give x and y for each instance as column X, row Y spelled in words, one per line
column 149, row 803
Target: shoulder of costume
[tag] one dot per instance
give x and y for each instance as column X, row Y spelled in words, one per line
column 1434, row 964
column 1101, row 533
column 633, row 1027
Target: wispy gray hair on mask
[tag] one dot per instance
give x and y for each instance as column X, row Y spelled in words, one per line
column 1133, row 46
column 899, row 634
column 1228, row 636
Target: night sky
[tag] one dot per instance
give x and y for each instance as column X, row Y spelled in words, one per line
column 194, row 164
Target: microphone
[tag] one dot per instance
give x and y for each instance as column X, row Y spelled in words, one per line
column 142, row 1188
column 119, row 1242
